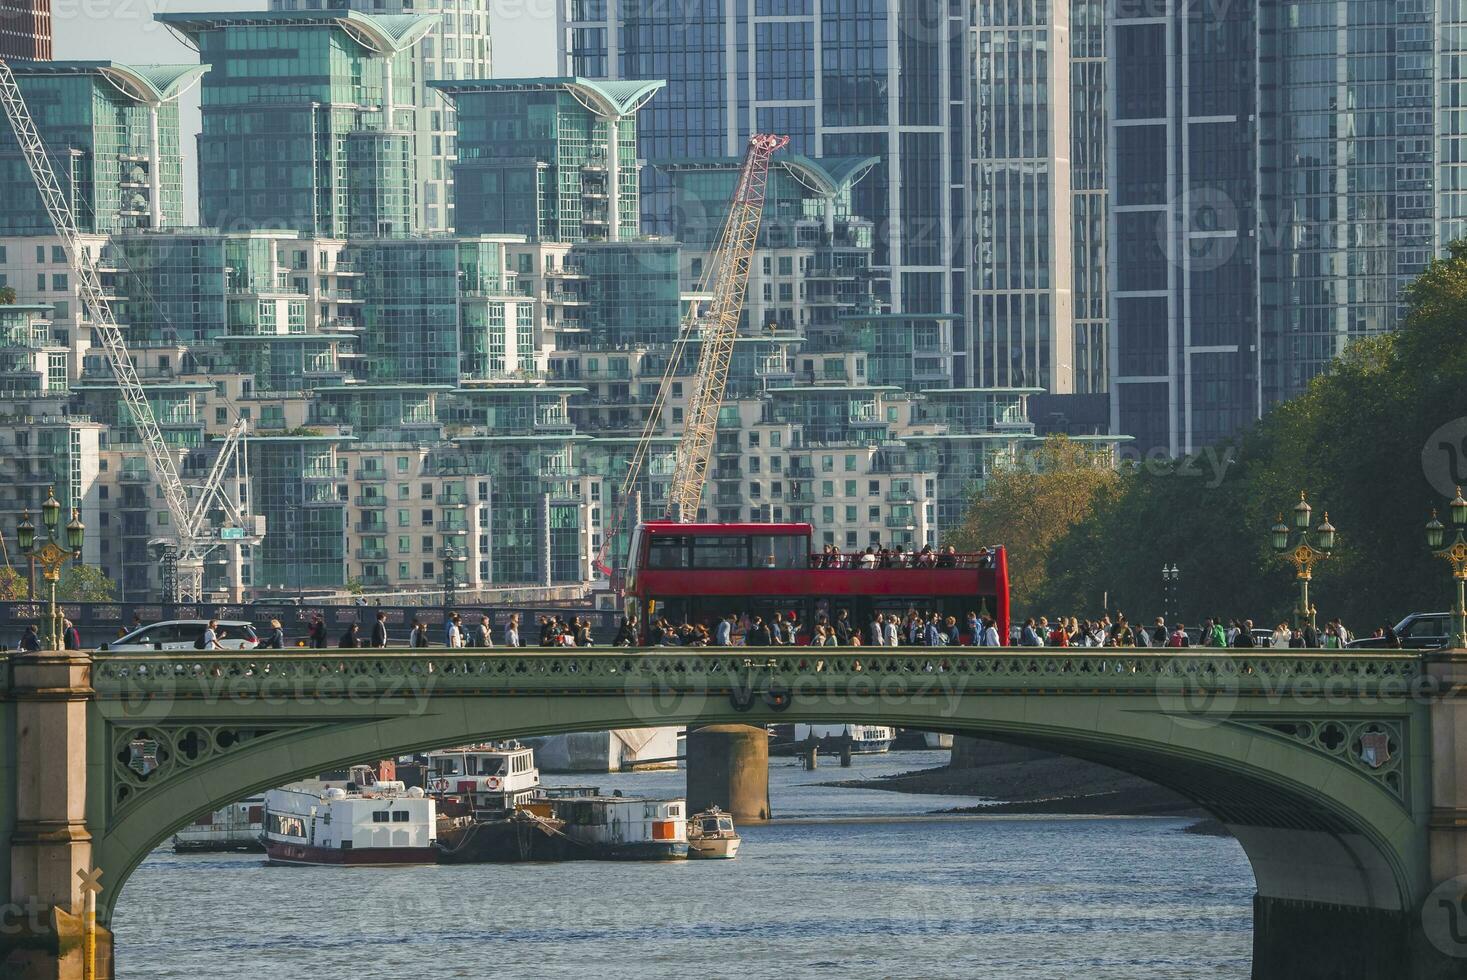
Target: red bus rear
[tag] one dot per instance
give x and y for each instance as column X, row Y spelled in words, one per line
column 699, row 573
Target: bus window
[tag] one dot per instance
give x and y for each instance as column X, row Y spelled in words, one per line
column 668, row 551
column 724, row 551
column 781, row 551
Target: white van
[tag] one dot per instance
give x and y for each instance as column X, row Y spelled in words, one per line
column 179, row 634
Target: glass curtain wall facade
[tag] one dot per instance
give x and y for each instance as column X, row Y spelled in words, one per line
column 1183, row 259
column 96, row 119
column 535, row 157
column 296, row 128
column 25, row 30
column 1023, row 295
column 882, row 78
column 1089, row 201
column 457, row 47
column 1349, row 173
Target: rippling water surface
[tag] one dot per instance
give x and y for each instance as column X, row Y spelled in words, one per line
column 855, row 884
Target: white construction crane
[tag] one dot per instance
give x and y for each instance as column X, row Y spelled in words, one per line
column 195, row 536
column 726, row 278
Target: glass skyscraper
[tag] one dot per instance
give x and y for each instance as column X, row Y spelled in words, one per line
column 1184, row 262
column 847, row 78
column 25, row 29
column 535, row 157
column 1278, row 172
column 111, row 131
column 308, row 120
column 458, row 46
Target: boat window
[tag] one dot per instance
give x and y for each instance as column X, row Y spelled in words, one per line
column 401, row 816
column 287, row 826
column 448, row 765
column 381, row 816
column 710, row 826
column 725, row 824
column 668, row 551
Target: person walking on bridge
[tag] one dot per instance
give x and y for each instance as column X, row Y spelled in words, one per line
column 318, row 633
column 277, row 636
column 379, row 632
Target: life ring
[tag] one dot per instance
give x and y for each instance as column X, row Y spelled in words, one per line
column 778, row 698
column 438, row 784
column 492, row 782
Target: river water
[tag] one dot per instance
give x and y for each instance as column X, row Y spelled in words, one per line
column 845, row 883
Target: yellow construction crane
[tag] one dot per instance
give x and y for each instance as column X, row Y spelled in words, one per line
column 725, row 280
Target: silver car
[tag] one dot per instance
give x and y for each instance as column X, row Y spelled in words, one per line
column 180, row 634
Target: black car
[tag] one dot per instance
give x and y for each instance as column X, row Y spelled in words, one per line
column 1418, row 631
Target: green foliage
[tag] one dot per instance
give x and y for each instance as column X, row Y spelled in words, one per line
column 7, row 295
column 83, row 583
column 1028, row 505
column 1353, row 439
column 14, row 585
column 354, row 586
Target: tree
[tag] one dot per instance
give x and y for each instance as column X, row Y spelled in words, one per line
column 83, row 583
column 14, row 586
column 1377, row 440
column 7, row 295
column 1029, row 504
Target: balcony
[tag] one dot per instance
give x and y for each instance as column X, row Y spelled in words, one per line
column 902, row 496
column 370, row 500
column 907, row 523
column 453, row 527
column 796, row 472
column 453, row 498
column 365, row 526
column 372, row 554
column 375, row 476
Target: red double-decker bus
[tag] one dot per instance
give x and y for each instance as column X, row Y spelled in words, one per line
column 699, row 573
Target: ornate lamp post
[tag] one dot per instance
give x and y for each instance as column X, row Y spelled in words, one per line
column 1171, row 577
column 451, row 558
column 51, row 555
column 1456, row 555
column 1302, row 554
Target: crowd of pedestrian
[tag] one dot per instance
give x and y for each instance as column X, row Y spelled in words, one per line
column 879, row 556
column 885, row 629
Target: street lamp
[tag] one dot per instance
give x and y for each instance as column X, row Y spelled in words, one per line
column 1456, row 555
column 1171, row 578
column 451, row 558
column 51, row 555
column 1302, row 554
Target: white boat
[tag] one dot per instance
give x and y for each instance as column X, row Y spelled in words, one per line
column 378, row 823
column 236, row 827
column 864, row 739
column 711, row 834
column 618, row 827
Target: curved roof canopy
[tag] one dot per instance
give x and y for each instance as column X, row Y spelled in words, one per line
column 150, row 84
column 605, row 98
column 382, row 34
column 823, row 175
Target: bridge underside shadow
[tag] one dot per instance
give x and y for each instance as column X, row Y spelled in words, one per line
column 1335, row 845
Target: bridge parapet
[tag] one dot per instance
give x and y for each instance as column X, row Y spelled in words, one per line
column 190, row 676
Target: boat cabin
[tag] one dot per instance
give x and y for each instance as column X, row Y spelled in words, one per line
column 488, row 780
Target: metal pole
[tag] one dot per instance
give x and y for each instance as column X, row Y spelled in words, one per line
column 55, row 627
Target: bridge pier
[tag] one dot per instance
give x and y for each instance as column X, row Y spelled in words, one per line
column 728, row 767
column 42, row 930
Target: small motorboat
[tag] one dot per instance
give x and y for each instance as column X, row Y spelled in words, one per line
column 711, row 834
